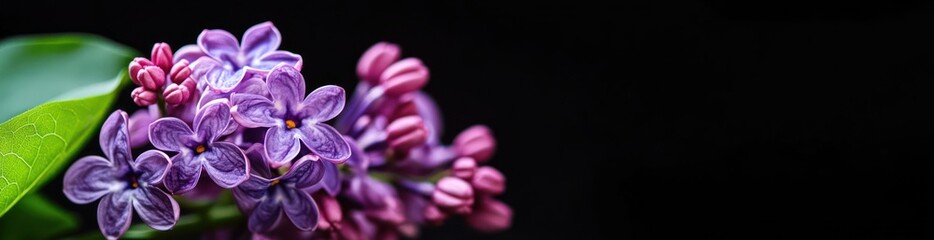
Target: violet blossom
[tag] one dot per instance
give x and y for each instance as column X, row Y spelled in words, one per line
column 227, row 62
column 121, row 183
column 266, row 198
column 199, row 149
column 292, row 118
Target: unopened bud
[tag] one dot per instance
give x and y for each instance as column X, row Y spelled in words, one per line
column 476, row 142
column 405, row 76
column 454, row 195
column 405, row 133
column 143, row 97
column 375, row 60
column 162, row 56
column 464, row 168
column 488, row 180
column 180, row 71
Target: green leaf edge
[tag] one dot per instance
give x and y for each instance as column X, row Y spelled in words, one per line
column 121, row 78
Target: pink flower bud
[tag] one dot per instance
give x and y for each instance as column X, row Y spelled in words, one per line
column 434, row 215
column 375, row 60
column 476, row 142
column 490, row 215
column 405, row 76
column 453, row 194
column 176, row 94
column 151, row 77
column 330, row 216
column 162, row 56
column 190, row 84
column 464, row 168
column 136, row 65
column 488, row 180
column 404, row 109
column 405, row 133
column 143, row 97
column 180, row 71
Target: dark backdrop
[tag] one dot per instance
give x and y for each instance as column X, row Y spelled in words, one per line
column 664, row 120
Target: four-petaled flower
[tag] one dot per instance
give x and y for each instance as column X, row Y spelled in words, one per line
column 266, row 198
column 122, row 183
column 290, row 118
column 229, row 62
column 198, row 148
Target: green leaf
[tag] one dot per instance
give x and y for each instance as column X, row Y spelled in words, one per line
column 67, row 83
column 36, row 218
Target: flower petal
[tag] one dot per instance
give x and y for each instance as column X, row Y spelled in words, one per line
column 286, row 85
column 152, row 165
column 183, row 173
column 269, row 60
column 115, row 139
column 252, row 111
column 358, row 159
column 260, row 39
column 219, row 44
column 332, row 179
column 226, row 164
column 257, row 157
column 281, row 146
column 255, row 187
column 265, row 216
column 212, row 120
column 253, row 85
column 216, row 75
column 139, row 125
column 88, row 179
column 190, row 52
column 170, row 134
column 323, row 103
column 114, row 215
column 114, row 125
column 325, row 141
column 305, row 172
column 157, row 209
column 300, row 208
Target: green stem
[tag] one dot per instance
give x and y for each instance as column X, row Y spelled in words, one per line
column 163, row 112
column 390, row 177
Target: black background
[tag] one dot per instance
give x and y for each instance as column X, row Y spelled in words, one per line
column 664, row 120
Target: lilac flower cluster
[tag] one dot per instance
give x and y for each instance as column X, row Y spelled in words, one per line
column 237, row 112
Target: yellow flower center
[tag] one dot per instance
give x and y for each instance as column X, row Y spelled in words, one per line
column 133, row 182
column 199, row 149
column 289, row 124
column 274, row 182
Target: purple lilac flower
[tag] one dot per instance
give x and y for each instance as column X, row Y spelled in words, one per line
column 198, row 149
column 265, row 198
column 228, row 62
column 121, row 183
column 291, row 118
